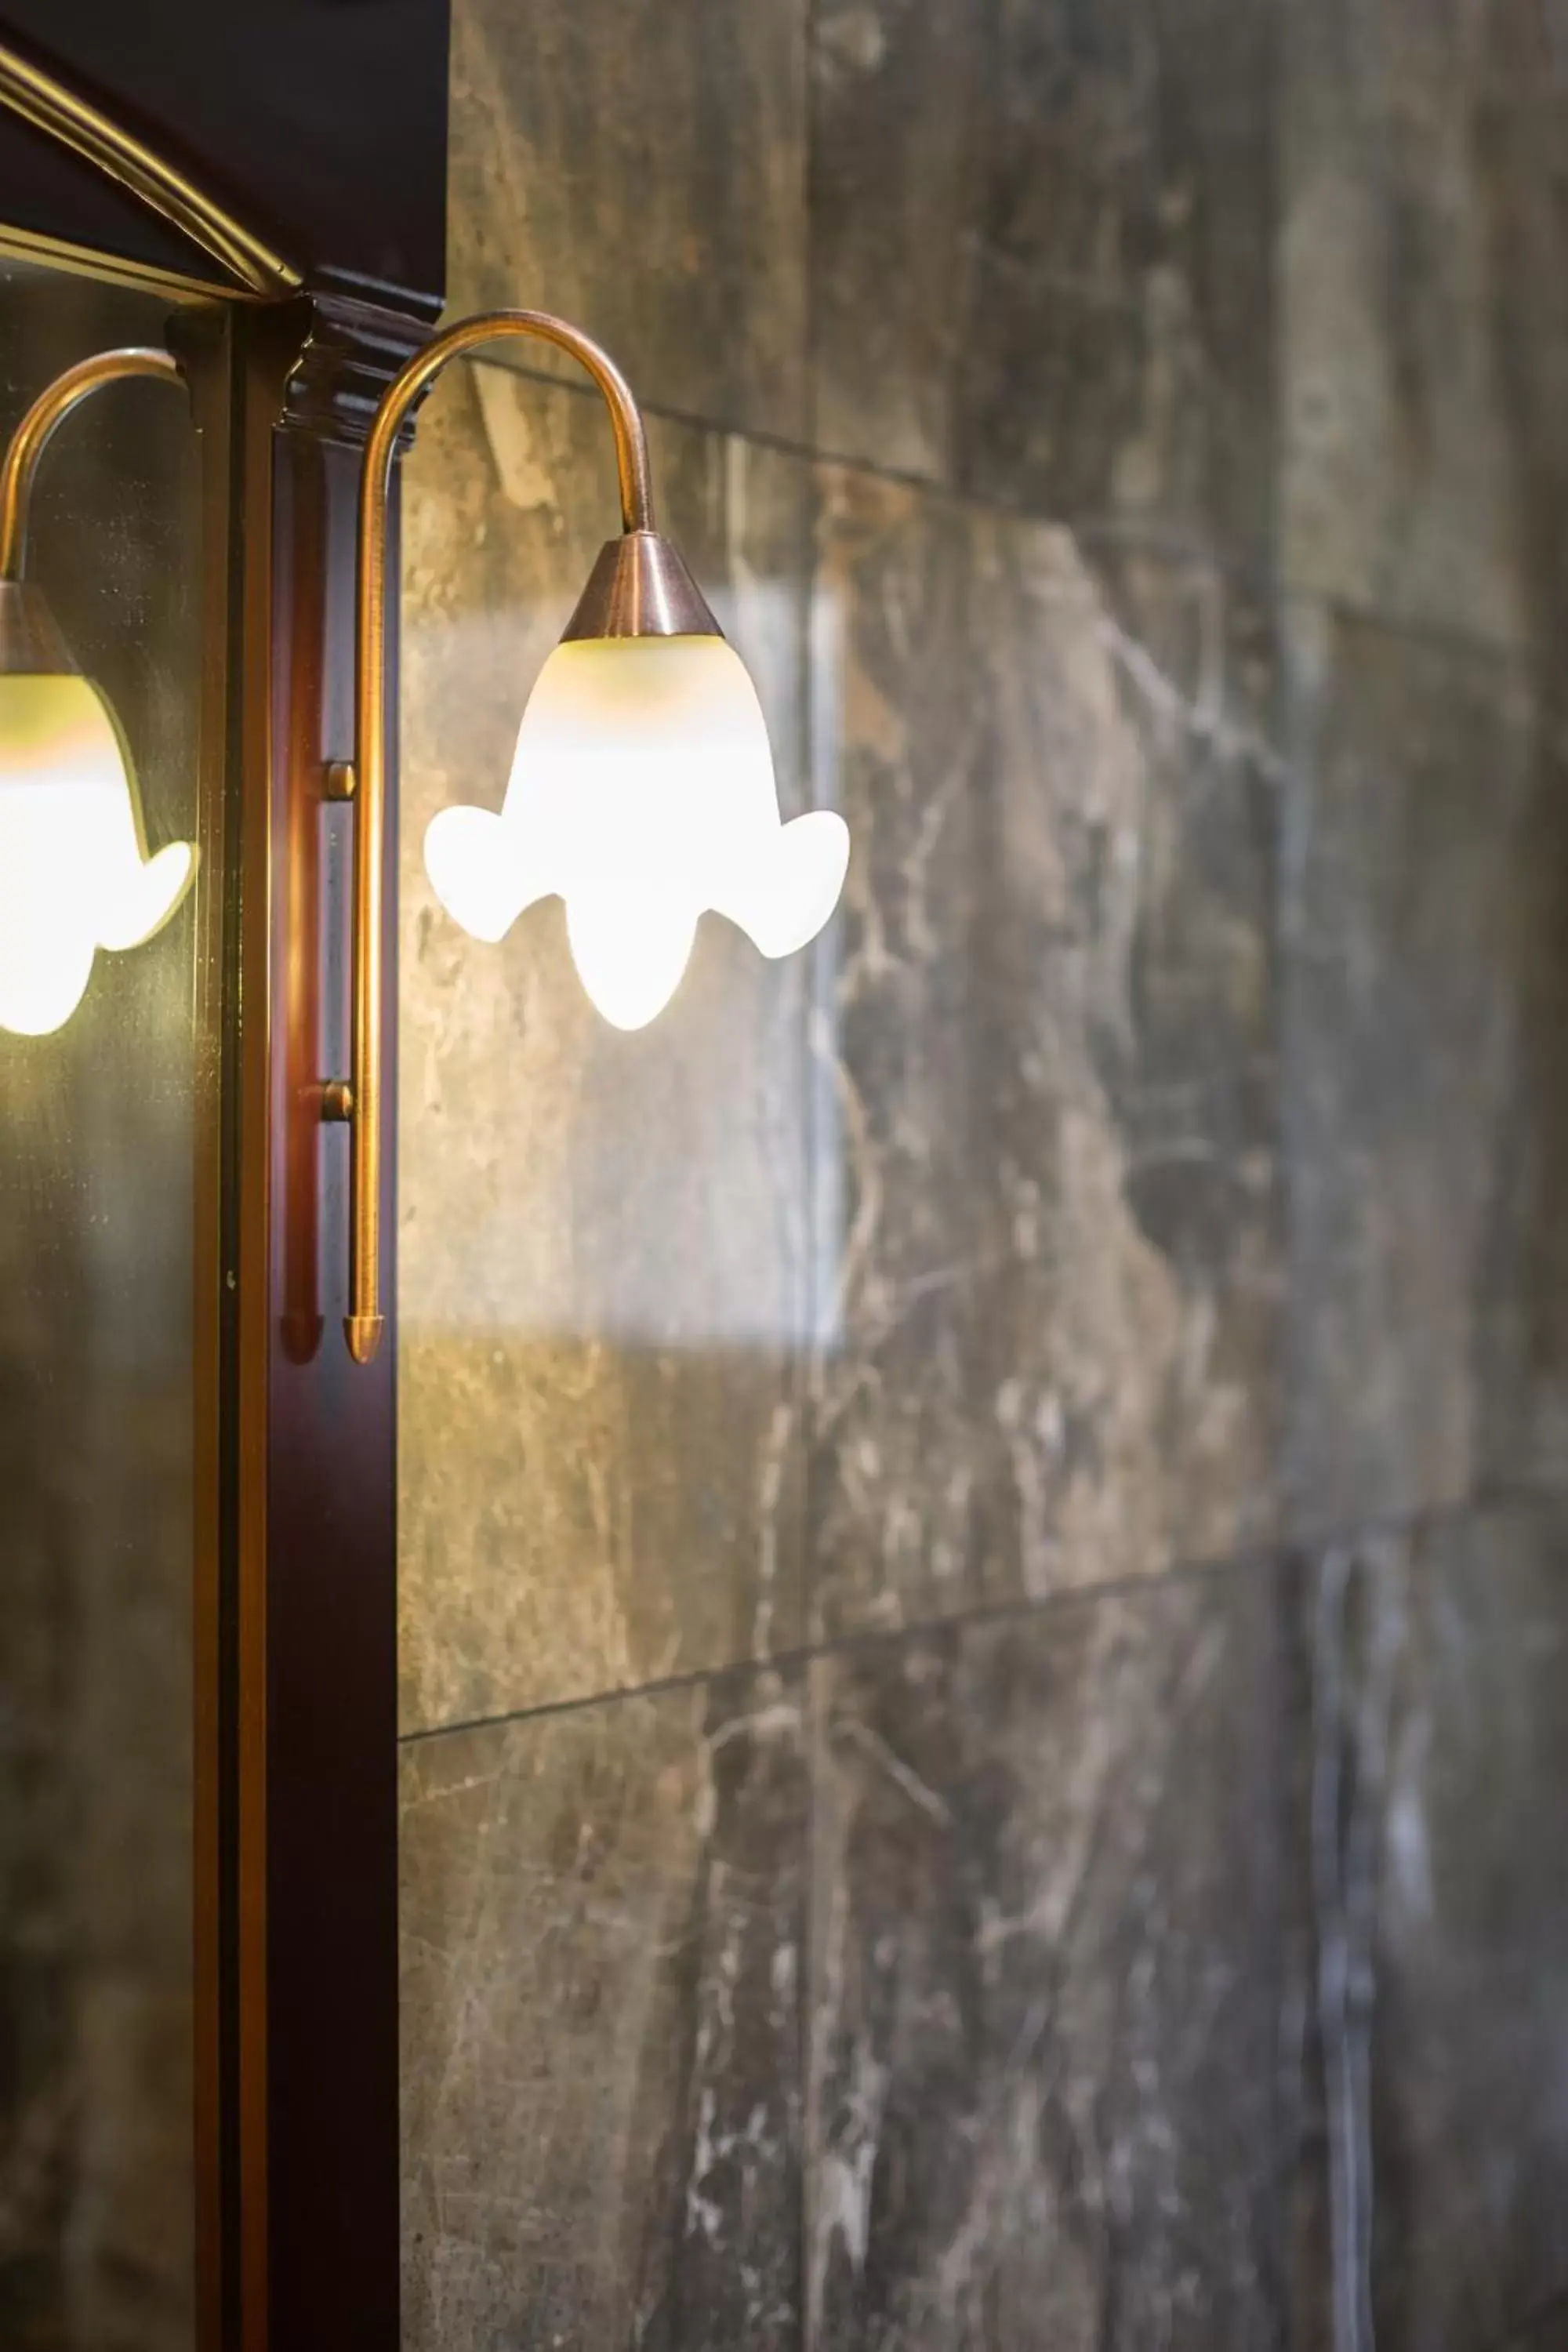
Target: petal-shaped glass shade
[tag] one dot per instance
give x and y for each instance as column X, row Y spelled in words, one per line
column 642, row 793
column 630, row 950
column 74, row 874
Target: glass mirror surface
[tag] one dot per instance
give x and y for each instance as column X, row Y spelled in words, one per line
column 99, row 1147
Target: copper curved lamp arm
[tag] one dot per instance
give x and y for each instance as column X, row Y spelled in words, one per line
column 364, row 779
column 32, row 435
column 47, row 103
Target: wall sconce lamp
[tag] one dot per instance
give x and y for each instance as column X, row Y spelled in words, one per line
column 75, row 875
column 642, row 790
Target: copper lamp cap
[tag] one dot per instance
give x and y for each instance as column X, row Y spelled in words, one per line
column 31, row 645
column 640, row 587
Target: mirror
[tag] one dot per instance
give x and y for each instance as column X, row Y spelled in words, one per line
column 99, row 1136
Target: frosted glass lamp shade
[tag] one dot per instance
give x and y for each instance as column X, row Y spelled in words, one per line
column 75, row 875
column 642, row 793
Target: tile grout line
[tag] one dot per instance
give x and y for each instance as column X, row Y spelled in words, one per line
column 1107, row 532
column 1423, row 1519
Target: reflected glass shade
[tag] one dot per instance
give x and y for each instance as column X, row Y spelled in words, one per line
column 642, row 793
column 75, row 875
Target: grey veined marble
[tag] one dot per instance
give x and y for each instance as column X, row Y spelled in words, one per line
column 1177, row 1966
column 1160, row 1161
column 641, row 170
column 1422, row 955
column 1439, row 1762
column 1051, row 1288
column 1042, row 256
column 602, row 1952
column 1046, row 2106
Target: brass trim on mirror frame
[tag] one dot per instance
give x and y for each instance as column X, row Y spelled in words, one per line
column 182, row 288
column 29, row 91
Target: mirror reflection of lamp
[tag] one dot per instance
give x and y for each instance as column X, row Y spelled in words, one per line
column 75, row 871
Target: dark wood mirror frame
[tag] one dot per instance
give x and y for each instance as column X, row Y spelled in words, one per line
column 321, row 129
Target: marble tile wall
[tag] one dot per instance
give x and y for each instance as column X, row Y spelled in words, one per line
column 983, row 1523
column 1052, row 1017
column 1046, row 1877
column 1418, row 941
column 1440, row 1928
column 602, row 1918
column 563, row 122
